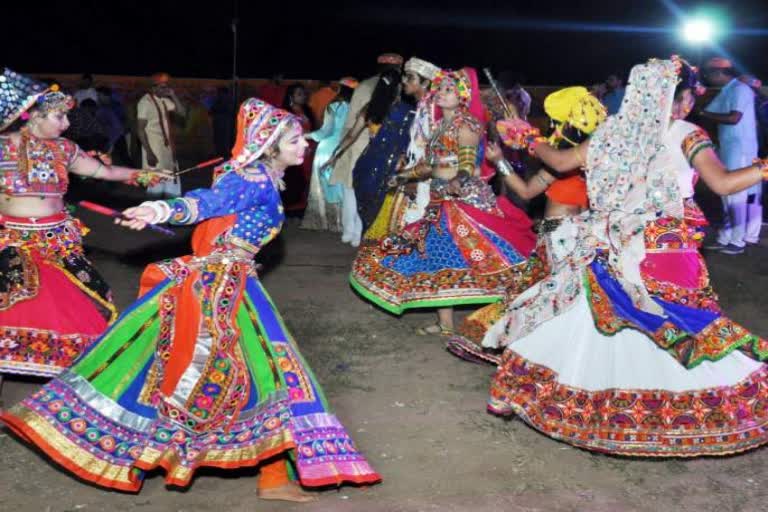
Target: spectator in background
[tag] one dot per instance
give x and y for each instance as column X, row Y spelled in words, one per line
column 154, row 131
column 352, row 145
column 112, row 116
column 761, row 112
column 320, row 99
column 733, row 109
column 113, row 127
column 273, row 92
column 297, row 177
column 223, row 119
column 86, row 90
column 85, row 128
column 614, row 93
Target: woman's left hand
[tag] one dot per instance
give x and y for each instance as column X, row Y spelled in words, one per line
column 137, row 217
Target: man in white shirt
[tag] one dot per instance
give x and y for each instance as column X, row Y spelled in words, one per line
column 733, row 109
column 86, row 90
column 154, row 132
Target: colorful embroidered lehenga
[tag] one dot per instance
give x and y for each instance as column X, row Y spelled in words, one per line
column 468, row 249
column 53, row 303
column 200, row 370
column 623, row 349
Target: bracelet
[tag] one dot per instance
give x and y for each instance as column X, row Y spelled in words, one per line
column 161, row 209
column 504, row 167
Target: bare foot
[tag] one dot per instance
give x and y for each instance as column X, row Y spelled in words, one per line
column 288, row 492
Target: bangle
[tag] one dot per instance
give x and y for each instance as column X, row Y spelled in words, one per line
column 161, row 209
column 504, row 167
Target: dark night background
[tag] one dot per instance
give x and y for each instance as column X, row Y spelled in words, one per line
column 546, row 41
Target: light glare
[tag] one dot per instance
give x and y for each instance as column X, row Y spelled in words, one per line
column 698, row 31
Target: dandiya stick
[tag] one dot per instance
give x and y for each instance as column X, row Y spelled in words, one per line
column 207, row 163
column 510, row 111
column 118, row 215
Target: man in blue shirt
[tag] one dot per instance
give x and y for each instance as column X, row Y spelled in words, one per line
column 733, row 109
column 615, row 95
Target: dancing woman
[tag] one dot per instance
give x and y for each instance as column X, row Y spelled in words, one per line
column 200, row 370
column 53, row 303
column 465, row 250
column 388, row 120
column 623, row 348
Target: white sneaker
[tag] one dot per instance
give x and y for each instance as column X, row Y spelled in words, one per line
column 355, row 242
column 346, row 238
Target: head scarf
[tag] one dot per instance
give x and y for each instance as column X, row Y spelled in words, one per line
column 468, row 91
column 573, row 106
column 350, row 82
column 422, row 68
column 629, row 180
column 259, row 125
column 392, row 59
column 19, row 93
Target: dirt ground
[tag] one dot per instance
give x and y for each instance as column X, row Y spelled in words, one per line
column 416, row 411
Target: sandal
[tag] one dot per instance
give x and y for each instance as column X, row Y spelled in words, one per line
column 434, row 329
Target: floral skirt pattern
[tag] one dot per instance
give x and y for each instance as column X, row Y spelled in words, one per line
column 200, row 371
column 53, row 303
column 448, row 258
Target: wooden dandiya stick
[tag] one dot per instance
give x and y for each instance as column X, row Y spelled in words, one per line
column 207, row 163
column 109, row 212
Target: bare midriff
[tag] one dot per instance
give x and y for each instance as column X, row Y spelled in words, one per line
column 31, row 206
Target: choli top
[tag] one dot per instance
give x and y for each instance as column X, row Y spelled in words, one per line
column 250, row 194
column 443, row 147
column 684, row 141
column 36, row 167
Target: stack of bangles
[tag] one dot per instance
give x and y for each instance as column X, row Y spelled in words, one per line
column 762, row 166
column 161, row 209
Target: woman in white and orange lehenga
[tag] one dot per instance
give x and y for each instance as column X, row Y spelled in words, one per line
column 623, row 348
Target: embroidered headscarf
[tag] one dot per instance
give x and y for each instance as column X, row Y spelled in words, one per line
column 259, row 126
column 629, row 180
column 19, row 93
column 468, row 91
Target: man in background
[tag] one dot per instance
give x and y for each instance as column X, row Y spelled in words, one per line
column 154, row 132
column 733, row 110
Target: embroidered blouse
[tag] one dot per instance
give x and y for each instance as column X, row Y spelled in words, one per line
column 684, row 141
column 36, row 167
column 443, row 147
column 250, row 194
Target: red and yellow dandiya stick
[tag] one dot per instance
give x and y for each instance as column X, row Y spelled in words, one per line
column 118, row 215
column 207, row 163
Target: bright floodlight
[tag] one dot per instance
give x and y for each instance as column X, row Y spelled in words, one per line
column 698, row 31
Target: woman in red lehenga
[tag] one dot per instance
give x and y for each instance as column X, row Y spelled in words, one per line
column 53, row 303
